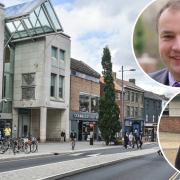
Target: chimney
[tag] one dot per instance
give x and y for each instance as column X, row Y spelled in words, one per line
column 132, row 81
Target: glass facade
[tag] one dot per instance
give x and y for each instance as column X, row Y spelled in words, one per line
column 30, row 19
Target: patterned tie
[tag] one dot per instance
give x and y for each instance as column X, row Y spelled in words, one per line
column 176, row 84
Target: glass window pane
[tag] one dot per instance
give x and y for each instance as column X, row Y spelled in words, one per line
column 52, row 15
column 94, row 104
column 54, row 52
column 53, row 85
column 62, row 54
column 11, row 27
column 61, row 84
column 84, row 103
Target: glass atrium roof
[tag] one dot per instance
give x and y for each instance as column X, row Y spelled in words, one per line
column 30, row 19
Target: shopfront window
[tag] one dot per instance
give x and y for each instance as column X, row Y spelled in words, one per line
column 94, row 104
column 53, row 85
column 84, row 103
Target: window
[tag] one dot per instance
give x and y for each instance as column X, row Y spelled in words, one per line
column 94, row 104
column 61, row 85
column 84, row 103
column 132, row 111
column 136, row 111
column 28, row 86
column 62, row 54
column 54, row 52
column 53, row 85
column 137, row 96
column 132, row 96
column 128, row 111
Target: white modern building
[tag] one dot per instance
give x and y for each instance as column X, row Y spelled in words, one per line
column 35, row 75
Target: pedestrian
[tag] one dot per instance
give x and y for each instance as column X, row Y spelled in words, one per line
column 73, row 139
column 126, row 139
column 63, row 136
column 131, row 137
column 140, row 140
column 168, row 28
column 7, row 132
column 136, row 137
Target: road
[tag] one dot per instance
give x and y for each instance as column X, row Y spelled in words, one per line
column 14, row 164
column 143, row 168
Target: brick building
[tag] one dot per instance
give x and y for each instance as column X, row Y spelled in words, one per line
column 84, row 98
column 170, row 120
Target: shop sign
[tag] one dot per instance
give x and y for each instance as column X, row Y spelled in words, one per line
column 83, row 116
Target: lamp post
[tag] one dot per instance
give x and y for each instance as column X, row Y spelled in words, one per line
column 122, row 95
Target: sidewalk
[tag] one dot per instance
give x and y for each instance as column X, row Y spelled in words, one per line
column 65, row 168
column 61, row 147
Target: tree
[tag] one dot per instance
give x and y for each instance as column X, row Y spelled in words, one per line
column 108, row 122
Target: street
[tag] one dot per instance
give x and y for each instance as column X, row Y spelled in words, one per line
column 143, row 168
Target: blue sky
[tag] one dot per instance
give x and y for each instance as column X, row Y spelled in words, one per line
column 93, row 24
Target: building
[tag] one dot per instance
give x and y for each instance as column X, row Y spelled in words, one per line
column 170, row 120
column 152, row 110
column 84, row 99
column 132, row 115
column 36, row 71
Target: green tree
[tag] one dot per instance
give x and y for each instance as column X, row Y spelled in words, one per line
column 108, row 122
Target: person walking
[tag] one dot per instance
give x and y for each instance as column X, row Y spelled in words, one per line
column 7, row 132
column 73, row 139
column 131, row 137
column 126, row 139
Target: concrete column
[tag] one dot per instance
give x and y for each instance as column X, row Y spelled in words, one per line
column 65, row 122
column 43, row 123
column 1, row 45
column 15, row 123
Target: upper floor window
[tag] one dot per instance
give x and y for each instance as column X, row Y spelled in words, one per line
column 54, row 52
column 53, row 85
column 84, row 103
column 62, row 54
column 94, row 104
column 61, row 86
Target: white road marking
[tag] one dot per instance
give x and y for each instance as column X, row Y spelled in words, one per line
column 174, row 176
column 94, row 155
column 76, row 154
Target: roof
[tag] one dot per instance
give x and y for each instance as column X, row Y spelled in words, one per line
column 30, row 19
column 82, row 67
column 151, row 95
column 129, row 85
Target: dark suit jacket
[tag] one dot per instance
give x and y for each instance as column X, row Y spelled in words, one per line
column 161, row 76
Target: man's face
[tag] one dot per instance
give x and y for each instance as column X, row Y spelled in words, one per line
column 169, row 40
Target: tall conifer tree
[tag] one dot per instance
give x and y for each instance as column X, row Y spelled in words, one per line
column 108, row 122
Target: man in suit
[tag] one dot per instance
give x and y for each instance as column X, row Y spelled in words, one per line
column 168, row 28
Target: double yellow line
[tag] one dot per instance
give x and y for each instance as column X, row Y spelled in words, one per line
column 174, row 176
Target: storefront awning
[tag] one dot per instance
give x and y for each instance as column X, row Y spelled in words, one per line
column 30, row 19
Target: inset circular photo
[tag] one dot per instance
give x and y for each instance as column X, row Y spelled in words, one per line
column 169, row 132
column 156, row 42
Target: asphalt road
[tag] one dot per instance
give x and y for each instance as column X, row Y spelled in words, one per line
column 14, row 164
column 143, row 168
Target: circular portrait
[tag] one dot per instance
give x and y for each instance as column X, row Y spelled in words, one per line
column 169, row 132
column 156, row 41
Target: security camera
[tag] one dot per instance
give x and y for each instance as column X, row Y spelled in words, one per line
column 4, row 100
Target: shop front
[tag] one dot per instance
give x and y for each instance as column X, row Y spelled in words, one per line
column 132, row 124
column 84, row 124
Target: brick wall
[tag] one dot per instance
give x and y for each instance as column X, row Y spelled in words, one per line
column 81, row 85
column 170, row 124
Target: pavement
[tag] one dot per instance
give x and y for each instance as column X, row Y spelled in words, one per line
column 170, row 144
column 66, row 168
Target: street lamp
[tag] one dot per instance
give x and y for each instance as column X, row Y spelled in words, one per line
column 122, row 95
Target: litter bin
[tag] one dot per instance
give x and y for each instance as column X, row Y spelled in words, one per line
column 91, row 141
